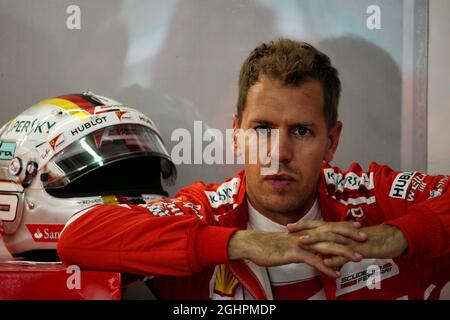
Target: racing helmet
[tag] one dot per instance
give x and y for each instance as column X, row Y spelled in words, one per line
column 68, row 153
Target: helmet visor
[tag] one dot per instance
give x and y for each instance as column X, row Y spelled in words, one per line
column 103, row 147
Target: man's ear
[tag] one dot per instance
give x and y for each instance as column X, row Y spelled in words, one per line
column 334, row 134
column 235, row 146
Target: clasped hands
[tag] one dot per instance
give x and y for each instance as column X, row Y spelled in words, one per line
column 326, row 246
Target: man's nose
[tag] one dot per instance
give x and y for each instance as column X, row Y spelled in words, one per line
column 282, row 147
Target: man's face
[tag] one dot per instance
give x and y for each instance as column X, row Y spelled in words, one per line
column 304, row 142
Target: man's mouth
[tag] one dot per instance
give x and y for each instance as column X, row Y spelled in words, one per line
column 279, row 180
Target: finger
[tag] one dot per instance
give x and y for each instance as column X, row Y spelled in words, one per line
column 304, row 224
column 335, row 262
column 349, row 230
column 312, row 238
column 317, row 262
column 307, row 248
column 334, row 249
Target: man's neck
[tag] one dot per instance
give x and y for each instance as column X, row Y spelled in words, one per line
column 284, row 218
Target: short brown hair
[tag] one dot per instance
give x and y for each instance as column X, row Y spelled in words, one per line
column 293, row 63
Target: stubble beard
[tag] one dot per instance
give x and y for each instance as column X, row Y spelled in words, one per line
column 281, row 206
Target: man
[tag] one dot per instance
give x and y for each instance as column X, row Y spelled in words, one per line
column 283, row 235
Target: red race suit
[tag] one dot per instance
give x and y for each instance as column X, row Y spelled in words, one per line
column 182, row 242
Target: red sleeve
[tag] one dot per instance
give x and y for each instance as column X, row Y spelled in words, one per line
column 419, row 205
column 165, row 237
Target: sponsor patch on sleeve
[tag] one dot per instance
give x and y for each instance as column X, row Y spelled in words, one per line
column 351, row 181
column 439, row 188
column 172, row 208
column 399, row 188
column 224, row 193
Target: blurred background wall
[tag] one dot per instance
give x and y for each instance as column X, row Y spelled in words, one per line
column 439, row 88
column 178, row 61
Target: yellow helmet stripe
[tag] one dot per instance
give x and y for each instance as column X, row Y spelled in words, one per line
column 72, row 108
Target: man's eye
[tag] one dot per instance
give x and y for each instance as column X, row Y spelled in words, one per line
column 302, row 131
column 263, row 130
